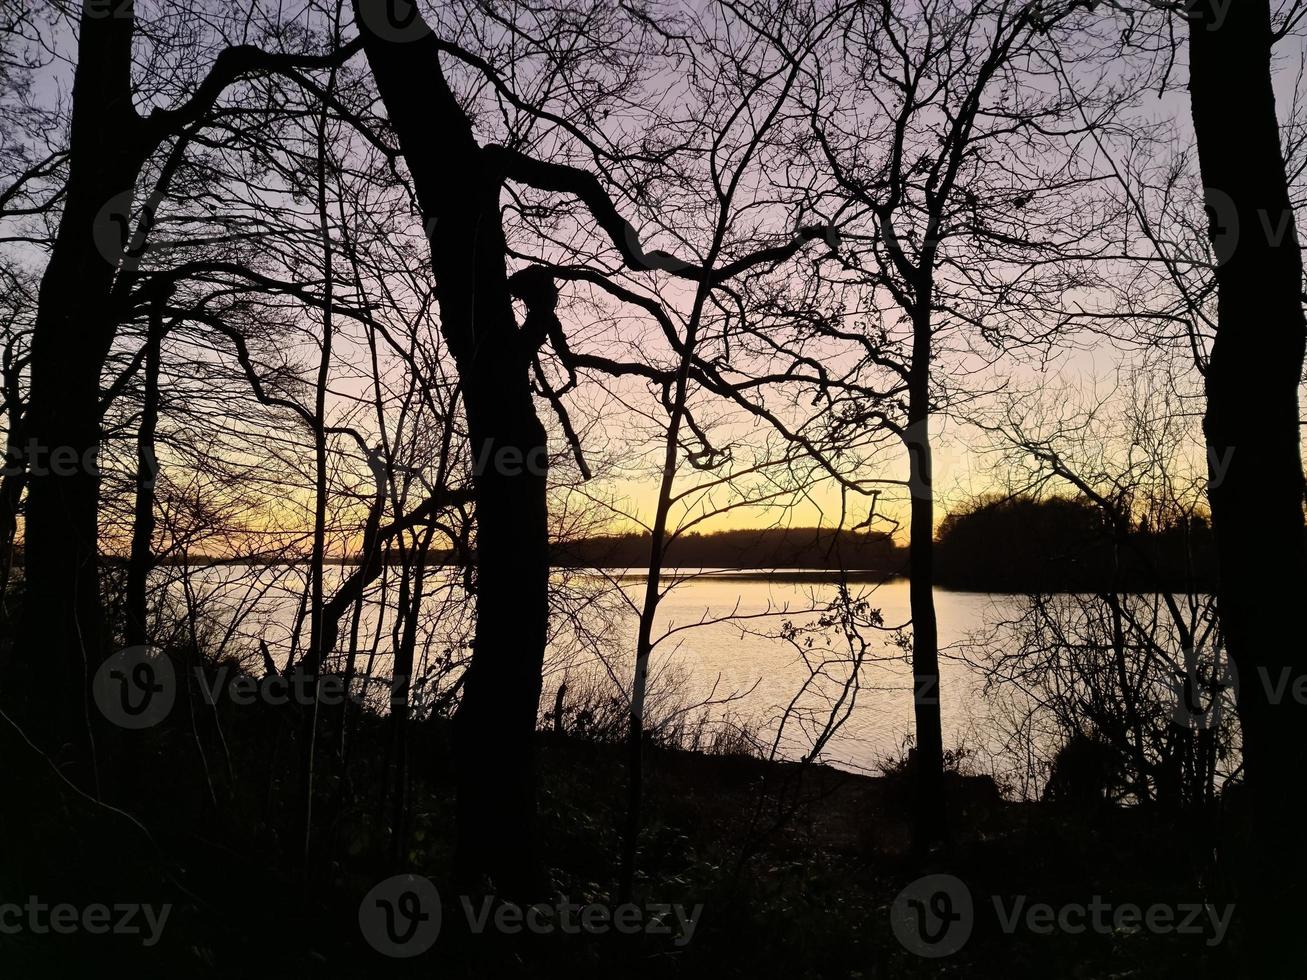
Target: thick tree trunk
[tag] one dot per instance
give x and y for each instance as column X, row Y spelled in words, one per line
column 459, row 198
column 60, row 640
column 1252, row 427
column 928, row 770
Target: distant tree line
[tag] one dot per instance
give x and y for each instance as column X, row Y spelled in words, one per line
column 991, row 544
column 1064, row 544
column 779, row 547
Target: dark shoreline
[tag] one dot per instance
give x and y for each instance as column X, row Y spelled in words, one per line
column 819, row 576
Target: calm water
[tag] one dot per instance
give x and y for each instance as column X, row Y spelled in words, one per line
column 726, row 660
column 748, row 656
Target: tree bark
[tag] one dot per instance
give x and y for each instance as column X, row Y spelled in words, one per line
column 1252, row 427
column 928, row 771
column 147, row 471
column 458, row 194
column 59, row 640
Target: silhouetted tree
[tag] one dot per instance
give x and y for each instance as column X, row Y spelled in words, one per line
column 1253, row 375
column 1125, row 671
column 947, row 158
column 109, row 142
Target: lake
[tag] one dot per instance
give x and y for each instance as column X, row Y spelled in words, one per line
column 750, row 657
column 726, row 660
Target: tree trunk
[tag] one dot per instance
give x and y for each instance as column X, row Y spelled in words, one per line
column 928, row 771
column 644, row 636
column 459, row 195
column 147, row 471
column 1252, row 428
column 59, row 640
column 14, row 479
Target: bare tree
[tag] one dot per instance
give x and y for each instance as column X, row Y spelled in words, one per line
column 1257, row 507
column 1137, row 666
column 941, row 148
column 109, row 142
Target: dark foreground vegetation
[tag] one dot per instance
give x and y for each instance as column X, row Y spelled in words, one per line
column 796, row 867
